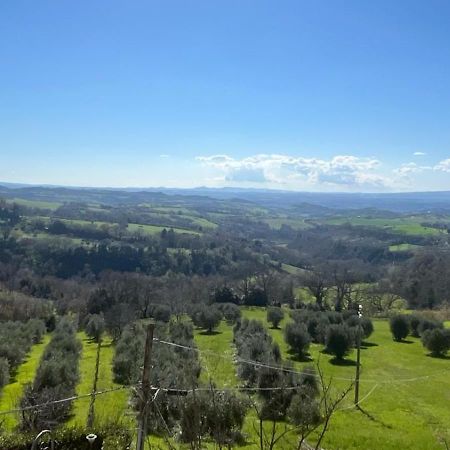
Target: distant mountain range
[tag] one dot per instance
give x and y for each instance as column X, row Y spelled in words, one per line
column 407, row 202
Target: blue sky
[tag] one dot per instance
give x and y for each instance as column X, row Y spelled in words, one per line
column 320, row 96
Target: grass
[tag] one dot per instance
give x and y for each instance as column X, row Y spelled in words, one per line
column 410, row 414
column 405, row 393
column 156, row 229
column 219, row 368
column 110, row 407
column 147, row 229
column 293, row 270
column 36, row 203
column 402, row 225
column 12, row 392
column 277, row 222
column 403, row 247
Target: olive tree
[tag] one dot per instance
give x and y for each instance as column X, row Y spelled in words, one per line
column 275, row 315
column 399, row 325
column 95, row 326
column 338, row 340
column 297, row 337
column 437, row 341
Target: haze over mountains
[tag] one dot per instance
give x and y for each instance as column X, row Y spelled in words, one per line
column 309, row 202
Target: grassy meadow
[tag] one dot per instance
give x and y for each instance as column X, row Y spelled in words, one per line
column 403, row 225
column 110, row 407
column 11, row 394
column 404, row 392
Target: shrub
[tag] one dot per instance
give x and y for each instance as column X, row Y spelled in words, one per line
column 162, row 313
column 317, row 326
column 256, row 297
column 95, row 326
column 253, row 343
column 437, row 341
column 4, row 371
column 230, row 312
column 399, row 325
column 414, row 322
column 171, row 367
column 214, row 414
column 364, row 322
column 225, row 295
column 16, row 338
column 56, row 378
column 298, row 338
column 427, row 324
column 115, row 437
column 338, row 340
column 275, row 315
column 207, row 317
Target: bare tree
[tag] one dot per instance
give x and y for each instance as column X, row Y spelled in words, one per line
column 318, row 284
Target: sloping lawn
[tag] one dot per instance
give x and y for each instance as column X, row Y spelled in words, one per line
column 12, row 392
column 408, row 393
column 110, row 407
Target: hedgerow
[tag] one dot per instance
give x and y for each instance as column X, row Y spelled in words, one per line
column 56, row 379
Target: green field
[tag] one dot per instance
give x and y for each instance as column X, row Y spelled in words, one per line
column 132, row 227
column 293, row 270
column 277, row 222
column 405, row 393
column 12, row 392
column 217, row 356
column 402, row 225
column 36, row 203
column 403, row 247
column 156, row 229
column 110, row 407
column 405, row 410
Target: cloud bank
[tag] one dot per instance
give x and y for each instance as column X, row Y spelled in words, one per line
column 341, row 172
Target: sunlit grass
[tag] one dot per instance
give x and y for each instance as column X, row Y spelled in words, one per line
column 12, row 392
column 407, row 409
column 109, row 408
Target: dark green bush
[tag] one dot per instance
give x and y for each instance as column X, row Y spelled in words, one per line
column 297, row 337
column 364, row 322
column 399, row 325
column 437, row 341
column 56, row 378
column 427, row 324
column 4, row 372
column 207, row 317
column 230, row 311
column 274, row 315
column 414, row 322
column 110, row 438
column 95, row 326
column 339, row 340
column 162, row 313
column 16, row 338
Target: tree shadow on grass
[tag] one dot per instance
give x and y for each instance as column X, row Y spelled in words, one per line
column 430, row 355
column 295, row 357
column 368, row 344
column 342, row 362
column 210, row 333
column 404, row 341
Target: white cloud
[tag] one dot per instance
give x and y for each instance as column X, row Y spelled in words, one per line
column 343, row 171
column 410, row 168
column 419, row 153
column 443, row 166
column 164, row 156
